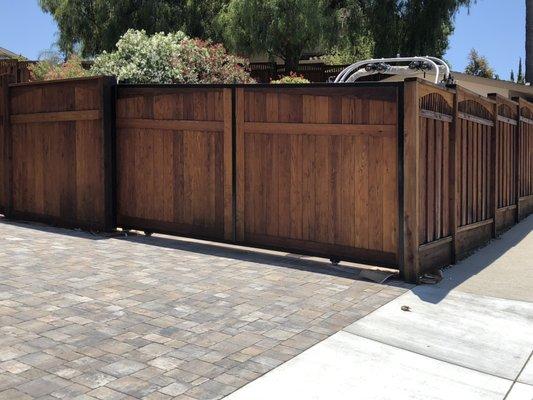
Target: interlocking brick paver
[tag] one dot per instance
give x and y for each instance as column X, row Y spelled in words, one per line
column 85, row 316
column 14, row 394
column 123, row 368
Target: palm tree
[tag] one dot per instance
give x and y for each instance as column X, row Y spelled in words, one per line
column 529, row 40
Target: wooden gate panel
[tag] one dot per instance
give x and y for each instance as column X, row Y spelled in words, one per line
column 174, row 160
column 317, row 170
column 61, row 142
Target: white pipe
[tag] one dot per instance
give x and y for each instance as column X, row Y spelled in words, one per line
column 432, row 61
column 342, row 75
column 447, row 72
column 404, row 70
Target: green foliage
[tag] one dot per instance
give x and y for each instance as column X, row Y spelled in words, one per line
column 347, row 29
column 352, row 39
column 292, row 78
column 511, row 78
column 200, row 18
column 278, row 28
column 169, row 58
column 51, row 66
column 96, row 25
column 478, row 65
column 411, row 27
column 520, row 78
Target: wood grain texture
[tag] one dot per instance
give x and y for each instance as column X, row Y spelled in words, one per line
column 4, row 121
column 476, row 146
column 436, row 122
column 174, row 164
column 411, row 182
column 525, row 152
column 61, row 116
column 59, row 152
column 313, row 165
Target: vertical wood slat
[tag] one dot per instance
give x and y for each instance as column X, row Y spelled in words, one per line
column 495, row 155
column 240, row 165
column 229, row 228
column 456, row 178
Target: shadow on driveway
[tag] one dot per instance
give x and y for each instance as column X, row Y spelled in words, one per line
column 503, row 268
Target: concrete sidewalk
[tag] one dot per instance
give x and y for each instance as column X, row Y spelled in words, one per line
column 470, row 337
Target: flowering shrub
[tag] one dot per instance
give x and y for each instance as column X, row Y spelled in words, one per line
column 52, row 68
column 170, row 58
column 292, row 78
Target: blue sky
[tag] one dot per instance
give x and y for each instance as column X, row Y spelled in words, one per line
column 493, row 27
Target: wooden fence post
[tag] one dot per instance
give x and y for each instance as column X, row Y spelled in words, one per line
column 454, row 187
column 494, row 168
column 517, row 154
column 108, row 95
column 410, row 262
column 8, row 146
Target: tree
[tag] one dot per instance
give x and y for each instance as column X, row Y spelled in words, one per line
column 278, row 28
column 411, row 27
column 478, row 65
column 350, row 38
column 520, row 77
column 96, row 25
column 511, row 78
column 169, row 58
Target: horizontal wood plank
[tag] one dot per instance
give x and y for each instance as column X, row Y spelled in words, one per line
column 62, row 116
column 526, row 120
column 321, row 249
column 317, row 129
column 506, row 120
column 477, row 120
column 173, row 125
column 475, row 225
column 436, row 115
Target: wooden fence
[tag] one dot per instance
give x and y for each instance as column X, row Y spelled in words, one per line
column 407, row 175
column 525, row 159
column 60, row 151
column 505, row 163
column 174, row 160
column 463, row 156
column 312, row 164
column 18, row 70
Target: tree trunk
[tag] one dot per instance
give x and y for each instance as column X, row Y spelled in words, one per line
column 291, row 63
column 529, row 41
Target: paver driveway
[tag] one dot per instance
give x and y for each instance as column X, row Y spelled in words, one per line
column 89, row 317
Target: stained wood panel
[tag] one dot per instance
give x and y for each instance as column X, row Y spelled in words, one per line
column 61, row 144
column 317, row 170
column 525, row 142
column 3, row 139
column 507, row 152
column 435, row 121
column 475, row 192
column 174, row 160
